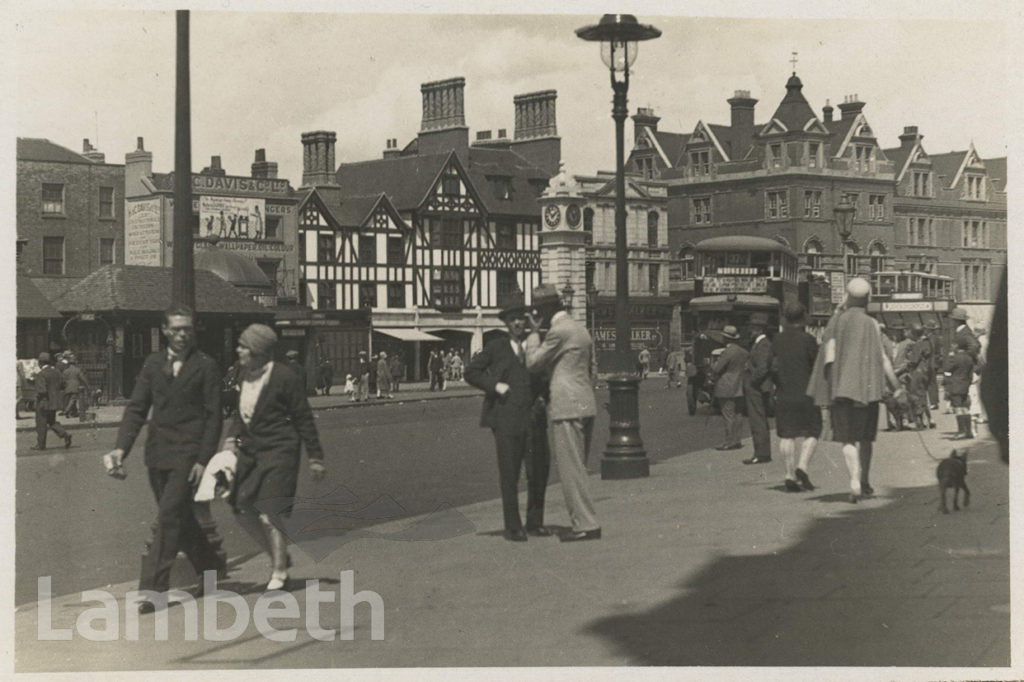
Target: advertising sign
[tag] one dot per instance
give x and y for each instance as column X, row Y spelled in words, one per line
column 641, row 336
column 735, row 284
column 838, row 281
column 142, row 238
column 906, row 306
column 231, row 217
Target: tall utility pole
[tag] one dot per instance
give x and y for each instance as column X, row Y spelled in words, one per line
column 183, row 289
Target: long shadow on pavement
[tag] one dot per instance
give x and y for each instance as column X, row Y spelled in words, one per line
column 893, row 585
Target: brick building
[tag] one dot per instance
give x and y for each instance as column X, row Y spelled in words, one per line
column 70, row 211
column 430, row 240
column 782, row 177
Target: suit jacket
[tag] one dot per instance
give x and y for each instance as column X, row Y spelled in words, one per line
column 48, row 384
column 74, row 379
column 564, row 354
column 498, row 362
column 281, row 422
column 728, row 372
column 973, row 345
column 185, row 427
column 759, row 365
column 959, row 373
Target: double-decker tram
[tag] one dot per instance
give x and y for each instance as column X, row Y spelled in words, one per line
column 738, row 281
column 900, row 298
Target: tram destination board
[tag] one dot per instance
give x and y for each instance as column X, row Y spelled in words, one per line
column 735, row 284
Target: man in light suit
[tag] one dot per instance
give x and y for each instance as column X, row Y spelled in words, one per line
column 565, row 354
column 499, row 370
column 728, row 372
column 757, row 391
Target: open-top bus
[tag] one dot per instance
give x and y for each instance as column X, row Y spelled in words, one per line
column 900, row 298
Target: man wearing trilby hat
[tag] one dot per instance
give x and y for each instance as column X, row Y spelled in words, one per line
column 565, row 355
column 728, row 372
column 499, row 370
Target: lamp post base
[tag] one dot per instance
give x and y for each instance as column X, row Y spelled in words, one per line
column 624, row 456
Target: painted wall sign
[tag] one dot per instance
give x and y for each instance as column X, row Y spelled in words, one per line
column 142, row 233
column 232, row 217
column 227, row 183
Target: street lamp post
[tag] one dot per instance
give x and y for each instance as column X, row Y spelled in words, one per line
column 842, row 215
column 624, row 456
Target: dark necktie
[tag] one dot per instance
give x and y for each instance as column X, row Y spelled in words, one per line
column 522, row 354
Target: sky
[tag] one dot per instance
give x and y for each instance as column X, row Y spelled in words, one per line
column 260, row 76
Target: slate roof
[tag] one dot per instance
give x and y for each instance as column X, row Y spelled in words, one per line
column 898, row 156
column 147, row 288
column 947, row 164
column 54, row 287
column 354, row 211
column 838, row 129
column 794, row 111
column 41, row 149
column 31, row 302
column 997, row 172
column 406, row 180
column 672, row 144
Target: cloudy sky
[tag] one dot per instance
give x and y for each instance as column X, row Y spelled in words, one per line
column 261, row 77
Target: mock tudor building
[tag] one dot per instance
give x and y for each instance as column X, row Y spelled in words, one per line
column 430, row 240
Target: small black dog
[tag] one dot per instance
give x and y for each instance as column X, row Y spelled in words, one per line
column 951, row 473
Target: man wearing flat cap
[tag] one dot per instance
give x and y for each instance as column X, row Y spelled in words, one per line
column 565, row 354
column 183, row 386
column 510, row 392
column 849, row 377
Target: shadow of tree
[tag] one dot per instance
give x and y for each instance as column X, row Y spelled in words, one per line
column 896, row 584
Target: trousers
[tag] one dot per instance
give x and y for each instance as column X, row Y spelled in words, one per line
column 46, row 419
column 176, row 529
column 569, row 440
column 732, row 420
column 757, row 415
column 516, row 447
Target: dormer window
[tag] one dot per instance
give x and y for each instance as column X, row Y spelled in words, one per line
column 863, row 158
column 775, row 156
column 700, row 162
column 974, row 187
column 921, row 183
column 813, row 151
column 501, row 186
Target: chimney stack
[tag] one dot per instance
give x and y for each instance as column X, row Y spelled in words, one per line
column 318, row 158
column 827, row 112
column 851, row 106
column 742, row 106
column 644, row 118
column 392, row 151
column 137, row 165
column 909, row 137
column 261, row 168
column 443, row 127
column 536, row 133
column 214, row 168
column 90, row 152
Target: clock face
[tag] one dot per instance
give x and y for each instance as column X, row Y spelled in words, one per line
column 572, row 215
column 552, row 215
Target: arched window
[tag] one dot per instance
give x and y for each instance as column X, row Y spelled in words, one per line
column 686, row 261
column 876, row 251
column 852, row 256
column 812, row 253
column 652, row 228
column 588, row 225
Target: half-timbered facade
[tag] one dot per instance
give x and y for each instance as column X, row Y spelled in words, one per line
column 430, row 241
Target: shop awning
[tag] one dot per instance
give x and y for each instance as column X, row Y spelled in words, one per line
column 407, row 334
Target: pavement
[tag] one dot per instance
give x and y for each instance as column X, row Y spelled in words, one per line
column 110, row 415
column 707, row 562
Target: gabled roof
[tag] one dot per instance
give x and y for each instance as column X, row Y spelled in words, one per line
column 970, row 156
column 147, row 288
column 405, row 179
column 634, row 189
column 793, row 111
column 54, row 287
column 713, row 132
column 41, row 149
column 840, row 130
column 31, row 302
column 997, row 173
column 947, row 164
column 672, row 144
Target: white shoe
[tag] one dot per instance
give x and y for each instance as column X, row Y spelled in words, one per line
column 277, row 580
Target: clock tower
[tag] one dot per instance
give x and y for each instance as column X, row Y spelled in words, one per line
column 563, row 242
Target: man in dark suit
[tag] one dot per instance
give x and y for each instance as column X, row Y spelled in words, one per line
column 963, row 331
column 728, row 373
column 959, row 371
column 500, row 371
column 183, row 386
column 48, row 400
column 757, row 392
